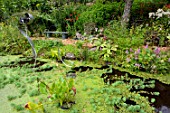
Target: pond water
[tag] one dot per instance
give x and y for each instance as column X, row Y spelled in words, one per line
column 28, row 62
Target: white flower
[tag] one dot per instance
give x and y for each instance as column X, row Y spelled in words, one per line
column 96, row 29
column 159, row 15
column 151, row 14
column 160, row 11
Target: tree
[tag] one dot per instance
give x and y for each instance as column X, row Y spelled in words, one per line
column 126, row 13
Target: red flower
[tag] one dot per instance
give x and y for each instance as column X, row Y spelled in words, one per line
column 167, row 6
column 71, row 14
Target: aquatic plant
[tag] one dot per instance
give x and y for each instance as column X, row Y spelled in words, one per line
column 122, row 94
column 61, row 92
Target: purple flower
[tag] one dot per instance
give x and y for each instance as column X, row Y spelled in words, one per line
column 127, row 52
column 146, row 47
column 136, row 57
column 157, row 51
column 169, row 60
column 131, row 50
column 101, row 48
column 49, row 96
column 128, row 59
column 137, row 65
column 137, row 52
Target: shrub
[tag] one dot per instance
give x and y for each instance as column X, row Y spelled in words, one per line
column 11, row 41
column 98, row 13
column 145, row 59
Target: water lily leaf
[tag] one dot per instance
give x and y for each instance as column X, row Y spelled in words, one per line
column 152, row 100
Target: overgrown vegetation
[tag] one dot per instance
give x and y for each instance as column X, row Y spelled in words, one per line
column 99, row 42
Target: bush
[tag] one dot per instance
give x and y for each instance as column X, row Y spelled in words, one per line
column 11, row 40
column 98, row 13
column 148, row 60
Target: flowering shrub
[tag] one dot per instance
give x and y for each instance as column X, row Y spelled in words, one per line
column 158, row 31
column 160, row 13
column 149, row 60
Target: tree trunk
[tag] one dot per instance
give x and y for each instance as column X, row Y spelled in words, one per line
column 126, row 13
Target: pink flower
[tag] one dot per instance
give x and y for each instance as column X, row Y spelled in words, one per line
column 146, row 46
column 126, row 51
column 137, row 65
column 137, row 52
column 131, row 50
column 169, row 60
column 128, row 59
column 157, row 51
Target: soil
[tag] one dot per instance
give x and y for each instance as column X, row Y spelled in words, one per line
column 64, row 41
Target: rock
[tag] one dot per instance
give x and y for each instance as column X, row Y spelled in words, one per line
column 93, row 49
column 70, row 56
column 71, row 74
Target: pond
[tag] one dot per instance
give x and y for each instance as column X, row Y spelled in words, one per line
column 20, row 75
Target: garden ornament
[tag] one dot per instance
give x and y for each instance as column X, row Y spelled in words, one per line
column 24, row 21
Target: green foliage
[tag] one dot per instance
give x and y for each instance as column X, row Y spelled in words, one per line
column 141, row 8
column 11, row 41
column 61, row 51
column 157, row 32
column 106, row 47
column 114, row 97
column 152, row 61
column 34, row 93
column 124, row 37
column 98, row 13
column 11, row 97
column 60, row 91
column 17, row 107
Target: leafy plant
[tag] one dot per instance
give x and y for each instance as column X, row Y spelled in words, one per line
column 17, row 107
column 11, row 41
column 11, row 97
column 117, row 97
column 106, row 47
column 61, row 51
column 148, row 60
column 62, row 91
column 98, row 13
